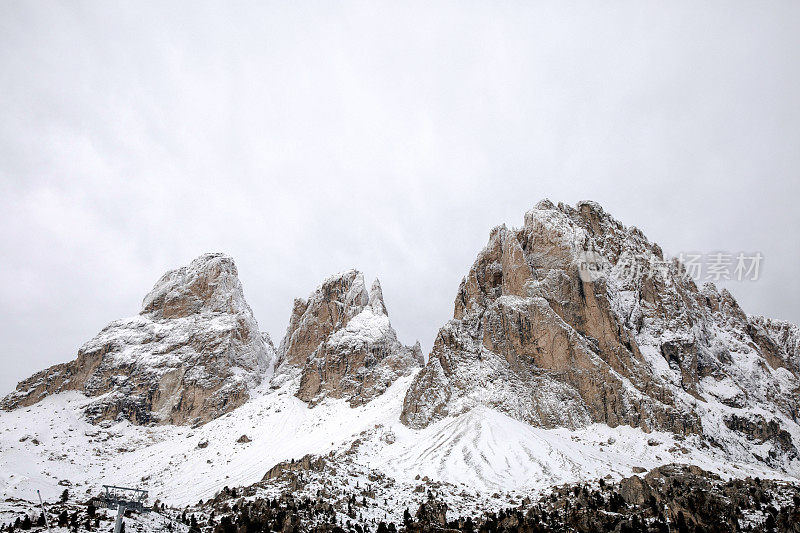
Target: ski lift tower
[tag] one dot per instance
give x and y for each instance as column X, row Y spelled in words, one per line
column 123, row 499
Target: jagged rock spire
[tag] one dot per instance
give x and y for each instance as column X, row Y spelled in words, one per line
column 330, row 307
column 341, row 343
column 376, row 298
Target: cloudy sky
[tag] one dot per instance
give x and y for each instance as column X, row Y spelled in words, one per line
column 304, row 138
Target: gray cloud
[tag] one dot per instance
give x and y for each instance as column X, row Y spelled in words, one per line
column 306, row 138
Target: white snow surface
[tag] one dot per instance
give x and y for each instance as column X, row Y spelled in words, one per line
column 479, row 452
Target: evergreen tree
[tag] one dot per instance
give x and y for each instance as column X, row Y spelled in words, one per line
column 770, row 524
column 680, row 523
column 64, row 496
column 468, row 526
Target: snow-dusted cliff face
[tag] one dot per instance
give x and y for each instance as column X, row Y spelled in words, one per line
column 626, row 344
column 786, row 335
column 191, row 355
column 341, row 343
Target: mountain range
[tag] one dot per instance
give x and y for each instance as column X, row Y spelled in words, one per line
column 544, row 375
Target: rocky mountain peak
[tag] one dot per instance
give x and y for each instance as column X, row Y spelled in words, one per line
column 330, row 307
column 210, row 283
column 342, row 344
column 192, row 354
column 628, row 340
column 418, row 354
column 376, row 298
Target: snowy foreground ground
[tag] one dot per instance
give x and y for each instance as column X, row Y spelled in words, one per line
column 481, row 455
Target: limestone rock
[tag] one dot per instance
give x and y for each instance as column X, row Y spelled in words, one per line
column 784, row 335
column 757, row 428
column 191, row 355
column 574, row 319
column 341, row 343
column 432, row 514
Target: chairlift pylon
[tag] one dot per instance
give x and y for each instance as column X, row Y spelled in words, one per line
column 123, row 499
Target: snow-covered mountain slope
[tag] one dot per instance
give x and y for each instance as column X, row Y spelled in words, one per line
column 192, row 354
column 342, row 344
column 52, row 441
column 482, row 457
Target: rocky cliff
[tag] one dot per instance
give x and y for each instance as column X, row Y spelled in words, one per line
column 192, row 354
column 785, row 336
column 574, row 318
column 341, row 344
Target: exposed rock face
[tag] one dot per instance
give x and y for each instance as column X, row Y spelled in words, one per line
column 306, row 463
column 342, row 345
column 191, row 355
column 786, row 337
column 691, row 499
column 760, row 430
column 631, row 340
column 433, row 514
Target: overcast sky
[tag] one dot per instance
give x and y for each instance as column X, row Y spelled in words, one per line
column 304, row 138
